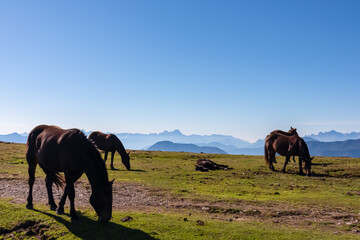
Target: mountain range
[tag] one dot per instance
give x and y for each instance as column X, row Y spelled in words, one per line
column 330, row 143
column 183, row 147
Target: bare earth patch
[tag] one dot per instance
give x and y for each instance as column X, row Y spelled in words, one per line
column 132, row 196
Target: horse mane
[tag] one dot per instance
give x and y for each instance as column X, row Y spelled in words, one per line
column 95, row 156
column 119, row 146
column 303, row 147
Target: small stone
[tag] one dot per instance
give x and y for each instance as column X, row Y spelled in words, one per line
column 200, row 223
column 127, row 219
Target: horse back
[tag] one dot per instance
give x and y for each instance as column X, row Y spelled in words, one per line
column 285, row 145
column 105, row 142
column 57, row 149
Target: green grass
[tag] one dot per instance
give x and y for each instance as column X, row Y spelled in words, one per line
column 146, row 226
column 249, row 180
column 334, row 185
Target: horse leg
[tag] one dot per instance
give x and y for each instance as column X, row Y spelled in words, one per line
column 105, row 157
column 271, row 160
column 31, row 171
column 71, row 193
column 49, row 182
column 294, row 158
column 300, row 166
column 112, row 160
column 286, row 162
column 60, row 209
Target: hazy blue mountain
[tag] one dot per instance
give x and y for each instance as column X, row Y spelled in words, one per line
column 309, row 139
column 258, row 143
column 13, row 137
column 333, row 136
column 323, row 144
column 143, row 141
column 227, row 148
column 183, row 147
column 348, row 148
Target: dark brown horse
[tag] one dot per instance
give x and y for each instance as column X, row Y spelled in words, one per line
column 204, row 165
column 69, row 151
column 110, row 143
column 291, row 132
column 287, row 146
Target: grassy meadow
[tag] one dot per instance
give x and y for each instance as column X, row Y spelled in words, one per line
column 250, row 200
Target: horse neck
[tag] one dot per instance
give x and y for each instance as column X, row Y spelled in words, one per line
column 120, row 148
column 96, row 173
column 303, row 149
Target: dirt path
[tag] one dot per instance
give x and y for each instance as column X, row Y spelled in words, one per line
column 137, row 196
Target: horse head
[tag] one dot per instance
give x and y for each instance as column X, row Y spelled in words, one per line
column 293, row 131
column 307, row 166
column 126, row 160
column 101, row 201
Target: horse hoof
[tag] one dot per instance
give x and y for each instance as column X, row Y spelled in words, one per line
column 30, row 206
column 74, row 219
column 60, row 211
column 53, row 208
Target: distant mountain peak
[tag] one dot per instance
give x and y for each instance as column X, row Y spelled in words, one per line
column 333, row 135
column 175, row 132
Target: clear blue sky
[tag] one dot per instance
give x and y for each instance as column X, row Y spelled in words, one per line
column 241, row 68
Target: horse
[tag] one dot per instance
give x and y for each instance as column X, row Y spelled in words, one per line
column 287, row 146
column 110, row 143
column 291, row 132
column 68, row 151
column 204, row 165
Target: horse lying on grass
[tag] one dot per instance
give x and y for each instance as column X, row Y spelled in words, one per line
column 204, row 165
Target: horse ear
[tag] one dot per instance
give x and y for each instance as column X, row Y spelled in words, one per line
column 112, row 181
column 312, row 158
column 129, row 153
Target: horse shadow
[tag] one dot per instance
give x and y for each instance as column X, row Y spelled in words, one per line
column 86, row 228
column 125, row 170
column 137, row 170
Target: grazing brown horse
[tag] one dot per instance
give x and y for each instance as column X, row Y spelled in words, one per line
column 68, row 151
column 291, row 132
column 110, row 143
column 287, row 146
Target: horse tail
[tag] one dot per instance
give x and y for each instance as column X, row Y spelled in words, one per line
column 59, row 181
column 266, row 150
column 31, row 145
column 266, row 155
